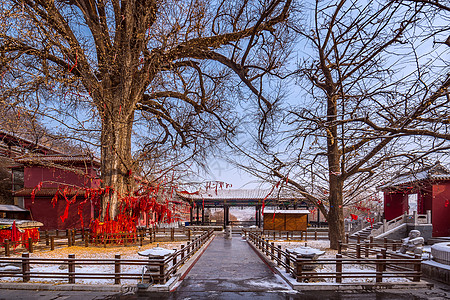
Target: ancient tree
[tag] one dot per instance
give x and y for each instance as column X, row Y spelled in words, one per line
column 374, row 96
column 169, row 66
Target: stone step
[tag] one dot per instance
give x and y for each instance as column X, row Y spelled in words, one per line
column 435, row 240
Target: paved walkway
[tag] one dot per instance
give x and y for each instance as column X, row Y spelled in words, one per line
column 231, row 265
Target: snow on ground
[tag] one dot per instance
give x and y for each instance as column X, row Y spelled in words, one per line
column 91, row 253
column 331, row 268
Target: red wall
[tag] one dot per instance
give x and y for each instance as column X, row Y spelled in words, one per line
column 33, row 175
column 43, row 211
column 440, row 214
column 395, row 204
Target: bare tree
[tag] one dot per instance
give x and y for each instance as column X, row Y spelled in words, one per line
column 375, row 95
column 158, row 64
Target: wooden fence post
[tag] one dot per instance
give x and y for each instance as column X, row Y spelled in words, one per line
column 346, row 238
column 188, row 247
column 162, row 276
column 69, row 239
column 339, row 247
column 172, row 234
column 189, row 234
column 30, row 245
column 7, row 251
column 371, row 242
column 74, row 235
column 366, row 249
column 417, row 268
column 287, row 261
column 299, row 268
column 86, row 241
column 379, row 268
column 272, row 247
column 358, row 250
column 279, row 255
column 25, row 267
column 182, row 252
column 57, row 232
column 338, row 268
column 71, row 268
column 315, row 235
column 117, row 269
column 47, row 240
column 52, row 243
column 383, row 253
column 174, row 261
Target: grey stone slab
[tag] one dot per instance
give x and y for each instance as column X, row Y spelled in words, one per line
column 231, row 265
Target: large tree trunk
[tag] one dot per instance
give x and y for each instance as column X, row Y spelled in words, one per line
column 336, row 214
column 116, row 159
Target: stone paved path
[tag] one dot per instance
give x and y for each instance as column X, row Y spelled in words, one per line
column 231, row 265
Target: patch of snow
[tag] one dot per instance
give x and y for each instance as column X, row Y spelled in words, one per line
column 267, row 284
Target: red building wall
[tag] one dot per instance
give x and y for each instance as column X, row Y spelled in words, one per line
column 441, row 209
column 33, row 175
column 43, row 211
column 395, row 204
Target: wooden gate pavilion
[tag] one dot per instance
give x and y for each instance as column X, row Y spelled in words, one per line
column 226, row 198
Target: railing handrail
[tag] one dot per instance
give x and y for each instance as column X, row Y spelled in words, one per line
column 173, row 262
column 294, row 263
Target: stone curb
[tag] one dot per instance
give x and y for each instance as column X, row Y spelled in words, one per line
column 300, row 286
column 108, row 287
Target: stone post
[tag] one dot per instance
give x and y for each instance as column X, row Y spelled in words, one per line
column 428, row 216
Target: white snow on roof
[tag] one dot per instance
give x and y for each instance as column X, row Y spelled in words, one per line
column 436, row 172
column 287, row 211
column 5, row 207
column 252, row 194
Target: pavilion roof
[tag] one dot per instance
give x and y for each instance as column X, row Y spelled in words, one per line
column 242, row 194
column 431, row 173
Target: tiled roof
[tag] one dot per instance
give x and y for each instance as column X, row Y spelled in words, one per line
column 10, row 136
column 5, row 207
column 241, row 194
column 20, row 223
column 39, row 159
column 47, row 192
column 436, row 172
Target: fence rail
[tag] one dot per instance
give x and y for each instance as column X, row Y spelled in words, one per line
column 49, row 240
column 293, row 235
column 384, row 264
column 159, row 270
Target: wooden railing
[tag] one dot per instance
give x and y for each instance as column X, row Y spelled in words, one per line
column 49, row 240
column 384, row 265
column 292, row 235
column 165, row 267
